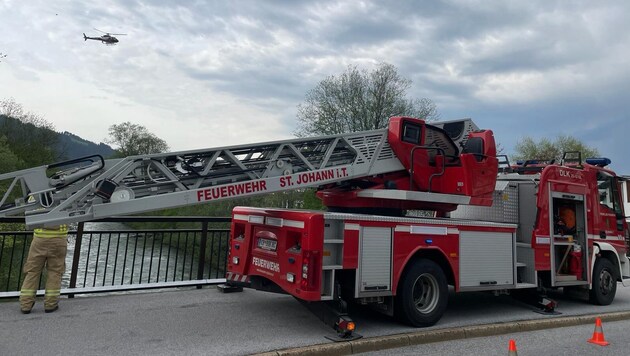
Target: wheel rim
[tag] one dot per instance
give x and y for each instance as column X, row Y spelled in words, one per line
column 425, row 293
column 606, row 282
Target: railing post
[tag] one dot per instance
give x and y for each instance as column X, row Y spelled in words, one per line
column 75, row 259
column 202, row 250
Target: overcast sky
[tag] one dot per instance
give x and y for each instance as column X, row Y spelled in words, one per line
column 214, row 73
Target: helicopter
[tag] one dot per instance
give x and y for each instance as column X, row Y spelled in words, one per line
column 107, row 38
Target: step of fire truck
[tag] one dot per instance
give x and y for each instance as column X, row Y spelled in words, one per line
column 332, row 257
column 332, row 310
column 521, row 271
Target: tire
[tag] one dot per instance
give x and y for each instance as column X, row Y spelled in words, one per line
column 604, row 282
column 422, row 294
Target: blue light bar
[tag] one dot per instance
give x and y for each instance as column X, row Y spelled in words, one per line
column 598, row 161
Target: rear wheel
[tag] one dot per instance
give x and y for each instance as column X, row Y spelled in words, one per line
column 422, row 294
column 604, row 282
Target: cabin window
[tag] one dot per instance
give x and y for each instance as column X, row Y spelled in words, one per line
column 411, row 133
column 609, row 195
column 606, row 186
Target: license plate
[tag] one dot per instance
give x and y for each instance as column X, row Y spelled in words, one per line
column 267, row 244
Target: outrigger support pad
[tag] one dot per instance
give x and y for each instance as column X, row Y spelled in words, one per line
column 546, row 306
column 228, row 288
column 539, row 301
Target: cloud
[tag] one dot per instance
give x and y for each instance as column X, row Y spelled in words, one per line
column 187, row 69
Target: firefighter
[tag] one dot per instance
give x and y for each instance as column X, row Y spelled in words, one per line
column 48, row 248
column 567, row 214
column 565, row 220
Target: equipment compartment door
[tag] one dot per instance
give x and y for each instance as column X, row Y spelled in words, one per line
column 569, row 243
column 486, row 260
column 375, row 263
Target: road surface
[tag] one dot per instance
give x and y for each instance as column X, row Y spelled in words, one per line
column 205, row 321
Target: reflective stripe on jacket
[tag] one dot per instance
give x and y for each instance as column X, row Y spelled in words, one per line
column 59, row 231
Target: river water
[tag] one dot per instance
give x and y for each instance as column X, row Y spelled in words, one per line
column 121, row 257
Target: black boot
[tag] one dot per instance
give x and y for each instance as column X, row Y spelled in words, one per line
column 51, row 309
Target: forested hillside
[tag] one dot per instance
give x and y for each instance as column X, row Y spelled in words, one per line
column 73, row 146
column 24, row 145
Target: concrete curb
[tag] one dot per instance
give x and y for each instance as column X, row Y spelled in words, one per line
column 426, row 337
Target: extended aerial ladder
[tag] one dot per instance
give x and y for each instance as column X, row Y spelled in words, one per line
column 408, row 165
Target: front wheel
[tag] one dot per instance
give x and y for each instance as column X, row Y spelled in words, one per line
column 422, row 294
column 604, row 282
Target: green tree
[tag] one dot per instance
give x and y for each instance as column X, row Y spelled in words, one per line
column 311, row 201
column 31, row 137
column 357, row 100
column 9, row 161
column 546, row 149
column 133, row 139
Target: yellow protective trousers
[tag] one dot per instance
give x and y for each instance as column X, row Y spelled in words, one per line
column 49, row 252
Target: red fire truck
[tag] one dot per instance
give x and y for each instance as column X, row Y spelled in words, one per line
column 549, row 226
column 535, row 226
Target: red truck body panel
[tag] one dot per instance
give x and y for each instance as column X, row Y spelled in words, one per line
column 306, row 230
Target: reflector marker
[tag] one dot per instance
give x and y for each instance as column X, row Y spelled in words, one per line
column 294, row 223
column 241, row 217
column 272, row 221
column 235, row 277
column 256, row 219
column 427, row 230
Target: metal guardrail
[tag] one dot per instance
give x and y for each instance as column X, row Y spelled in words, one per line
column 123, row 258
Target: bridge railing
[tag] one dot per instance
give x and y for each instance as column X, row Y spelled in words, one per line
column 109, row 256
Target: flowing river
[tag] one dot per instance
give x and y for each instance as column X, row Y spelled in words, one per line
column 113, row 255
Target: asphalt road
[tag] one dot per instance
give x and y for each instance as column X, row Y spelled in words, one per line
column 567, row 341
column 205, row 321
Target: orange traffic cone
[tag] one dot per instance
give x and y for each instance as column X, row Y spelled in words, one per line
column 598, row 334
column 512, row 349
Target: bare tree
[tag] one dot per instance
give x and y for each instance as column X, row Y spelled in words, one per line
column 133, row 139
column 32, row 138
column 11, row 108
column 357, row 100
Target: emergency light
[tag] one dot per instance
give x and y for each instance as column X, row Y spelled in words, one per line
column 598, row 161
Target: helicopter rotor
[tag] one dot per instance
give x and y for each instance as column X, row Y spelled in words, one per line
column 111, row 34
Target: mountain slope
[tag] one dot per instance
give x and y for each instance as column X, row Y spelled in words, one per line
column 72, row 146
column 37, row 145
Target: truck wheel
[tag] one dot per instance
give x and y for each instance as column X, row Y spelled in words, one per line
column 604, row 282
column 422, row 294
